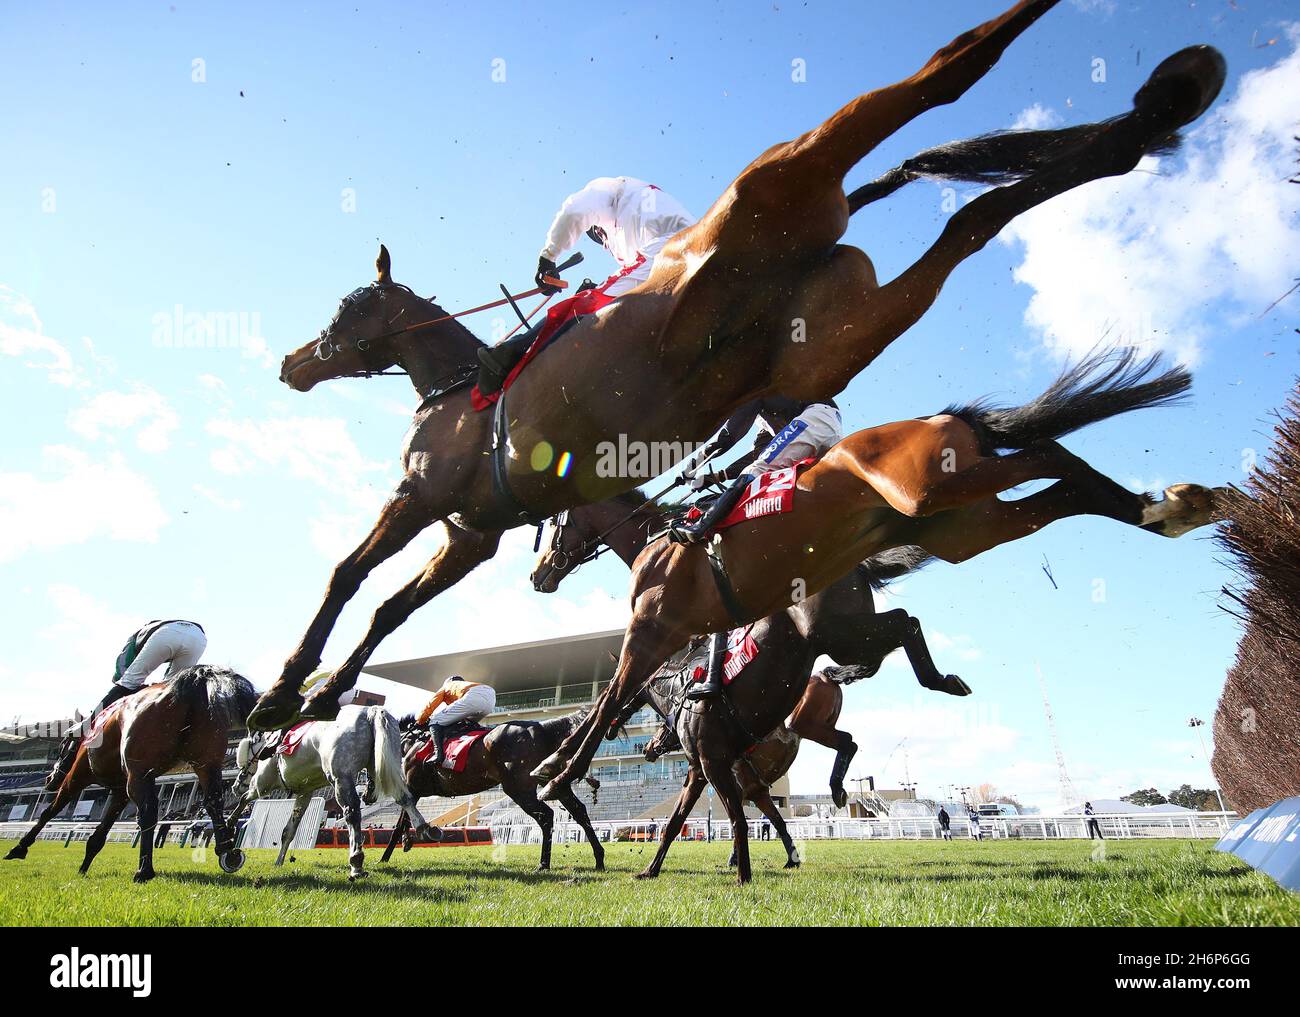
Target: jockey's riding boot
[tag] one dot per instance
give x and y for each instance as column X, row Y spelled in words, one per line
column 496, row 362
column 712, row 683
column 439, row 743
column 698, row 531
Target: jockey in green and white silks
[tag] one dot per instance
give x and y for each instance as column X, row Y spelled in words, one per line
column 177, row 643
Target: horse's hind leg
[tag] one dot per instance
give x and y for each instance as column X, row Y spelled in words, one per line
column 839, row 143
column 345, row 792
column 573, row 804
column 95, row 844
column 78, row 779
column 143, row 790
column 401, row 520
column 763, row 800
column 525, row 796
column 463, row 551
column 691, row 789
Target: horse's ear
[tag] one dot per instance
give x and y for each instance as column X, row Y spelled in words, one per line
column 383, row 266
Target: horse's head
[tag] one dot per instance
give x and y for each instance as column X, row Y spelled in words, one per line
column 361, row 338
column 665, row 740
column 571, row 545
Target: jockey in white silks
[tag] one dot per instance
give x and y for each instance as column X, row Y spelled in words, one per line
column 458, row 700
column 177, row 643
column 630, row 218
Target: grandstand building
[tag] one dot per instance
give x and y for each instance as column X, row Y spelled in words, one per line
column 550, row 678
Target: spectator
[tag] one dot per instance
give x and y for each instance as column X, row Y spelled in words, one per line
column 945, row 822
column 1094, row 828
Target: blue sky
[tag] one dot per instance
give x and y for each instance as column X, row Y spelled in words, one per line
column 142, row 480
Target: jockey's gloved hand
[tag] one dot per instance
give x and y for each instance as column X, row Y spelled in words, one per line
column 546, row 267
column 699, row 481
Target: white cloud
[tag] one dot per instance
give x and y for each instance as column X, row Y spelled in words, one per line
column 74, row 499
column 1036, row 118
column 141, row 408
column 1185, row 245
column 316, row 449
column 22, row 335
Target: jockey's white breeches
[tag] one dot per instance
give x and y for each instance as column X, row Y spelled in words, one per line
column 179, row 645
column 809, row 436
column 475, row 704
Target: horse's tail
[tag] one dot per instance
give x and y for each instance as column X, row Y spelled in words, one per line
column 243, row 752
column 227, row 697
column 389, row 777
column 881, row 569
column 1103, row 384
column 847, row 674
column 1000, row 157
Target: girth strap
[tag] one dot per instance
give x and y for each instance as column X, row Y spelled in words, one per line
column 500, row 476
column 713, row 549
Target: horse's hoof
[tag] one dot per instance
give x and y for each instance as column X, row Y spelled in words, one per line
column 276, row 709
column 600, row 866
column 231, row 861
column 142, row 877
column 792, row 864
column 548, row 768
column 426, row 835
column 840, row 797
column 646, row 874
column 1185, row 507
column 1183, row 85
column 551, row 792
column 321, row 707
column 954, row 686
column 16, row 854
column 354, row 876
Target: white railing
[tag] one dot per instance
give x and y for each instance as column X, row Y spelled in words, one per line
column 1120, row 826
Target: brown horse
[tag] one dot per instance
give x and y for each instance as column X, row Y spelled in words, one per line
column 710, row 329
column 186, row 720
column 505, row 756
column 840, row 621
column 931, row 482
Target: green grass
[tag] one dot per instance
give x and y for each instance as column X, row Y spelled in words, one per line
column 882, row 883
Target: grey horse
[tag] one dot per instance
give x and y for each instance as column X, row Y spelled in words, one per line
column 331, row 753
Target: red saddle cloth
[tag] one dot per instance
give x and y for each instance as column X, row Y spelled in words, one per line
column 292, row 739
column 586, row 302
column 101, row 720
column 769, row 494
column 455, row 753
column 741, row 649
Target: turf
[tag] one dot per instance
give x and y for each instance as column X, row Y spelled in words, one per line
column 840, row 883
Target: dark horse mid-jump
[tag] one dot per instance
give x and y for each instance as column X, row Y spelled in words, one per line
column 840, row 621
column 186, row 720
column 709, row 330
column 931, row 483
column 506, row 755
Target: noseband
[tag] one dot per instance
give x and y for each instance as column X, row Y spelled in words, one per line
column 327, row 345
column 569, row 561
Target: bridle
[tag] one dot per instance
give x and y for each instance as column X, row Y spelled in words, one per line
column 327, row 344
column 569, row 562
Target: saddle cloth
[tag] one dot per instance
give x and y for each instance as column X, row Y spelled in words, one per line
column 569, row 309
column 101, row 720
column 769, row 494
column 741, row 649
column 455, row 751
column 292, row 739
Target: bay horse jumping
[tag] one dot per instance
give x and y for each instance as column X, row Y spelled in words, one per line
column 147, row 734
column 666, row 363
column 505, row 756
column 332, row 754
column 840, row 621
column 930, row 482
